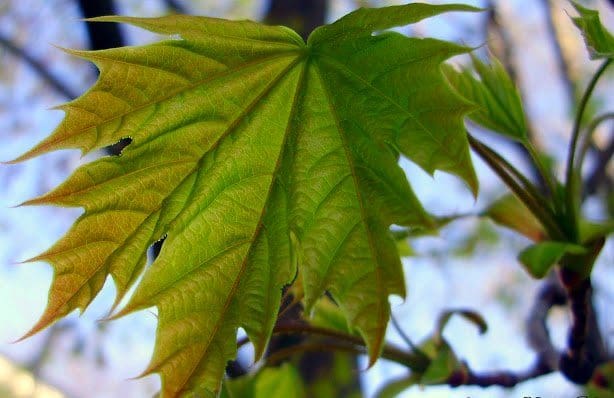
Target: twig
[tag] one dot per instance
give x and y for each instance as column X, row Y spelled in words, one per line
column 38, row 67
column 510, row 177
column 402, row 333
column 176, row 6
column 550, row 294
column 585, row 347
column 466, row 377
column 284, row 353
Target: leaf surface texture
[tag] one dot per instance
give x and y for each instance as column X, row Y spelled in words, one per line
column 253, row 153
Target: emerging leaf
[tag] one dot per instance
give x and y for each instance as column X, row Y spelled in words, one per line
column 500, row 107
column 254, row 153
column 327, row 314
column 599, row 40
column 510, row 212
column 539, row 258
column 398, row 386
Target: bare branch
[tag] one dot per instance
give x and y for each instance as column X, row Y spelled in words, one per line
column 585, row 347
column 176, row 6
column 38, row 67
column 467, row 377
column 550, row 294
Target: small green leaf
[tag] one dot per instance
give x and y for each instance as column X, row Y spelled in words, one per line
column 444, row 363
column 510, row 212
column 590, row 231
column 281, row 382
column 404, row 248
column 500, row 107
column 468, row 315
column 599, row 40
column 397, row 386
column 539, row 258
column 328, row 315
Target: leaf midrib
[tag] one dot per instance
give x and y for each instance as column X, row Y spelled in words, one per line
column 210, row 79
column 260, row 224
column 380, row 316
column 345, row 69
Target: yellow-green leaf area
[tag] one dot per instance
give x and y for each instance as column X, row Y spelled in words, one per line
column 253, row 154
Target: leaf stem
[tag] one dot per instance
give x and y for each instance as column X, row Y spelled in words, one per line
column 525, row 192
column 416, row 361
column 585, row 144
column 570, row 180
column 546, row 175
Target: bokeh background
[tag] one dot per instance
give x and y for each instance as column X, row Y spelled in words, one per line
column 470, row 264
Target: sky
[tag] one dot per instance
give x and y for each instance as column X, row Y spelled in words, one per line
column 87, row 358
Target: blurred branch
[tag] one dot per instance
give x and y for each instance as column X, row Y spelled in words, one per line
column 176, row 6
column 467, row 377
column 301, row 15
column 38, row 67
column 561, row 60
column 101, row 35
column 550, row 294
column 585, row 347
column 598, row 175
column 36, row 363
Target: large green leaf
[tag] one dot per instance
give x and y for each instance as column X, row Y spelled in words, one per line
column 500, row 107
column 599, row 40
column 252, row 152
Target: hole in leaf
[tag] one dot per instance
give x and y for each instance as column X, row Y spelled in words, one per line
column 117, row 148
column 156, row 247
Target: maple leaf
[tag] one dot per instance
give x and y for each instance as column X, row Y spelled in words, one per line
column 253, row 152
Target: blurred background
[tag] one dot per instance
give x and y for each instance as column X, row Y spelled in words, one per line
column 471, row 264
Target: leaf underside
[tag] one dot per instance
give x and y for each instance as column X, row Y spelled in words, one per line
column 243, row 136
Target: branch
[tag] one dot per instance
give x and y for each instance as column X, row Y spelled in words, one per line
column 101, row 35
column 301, row 15
column 38, row 67
column 585, row 347
column 467, row 377
column 550, row 294
column 176, row 6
